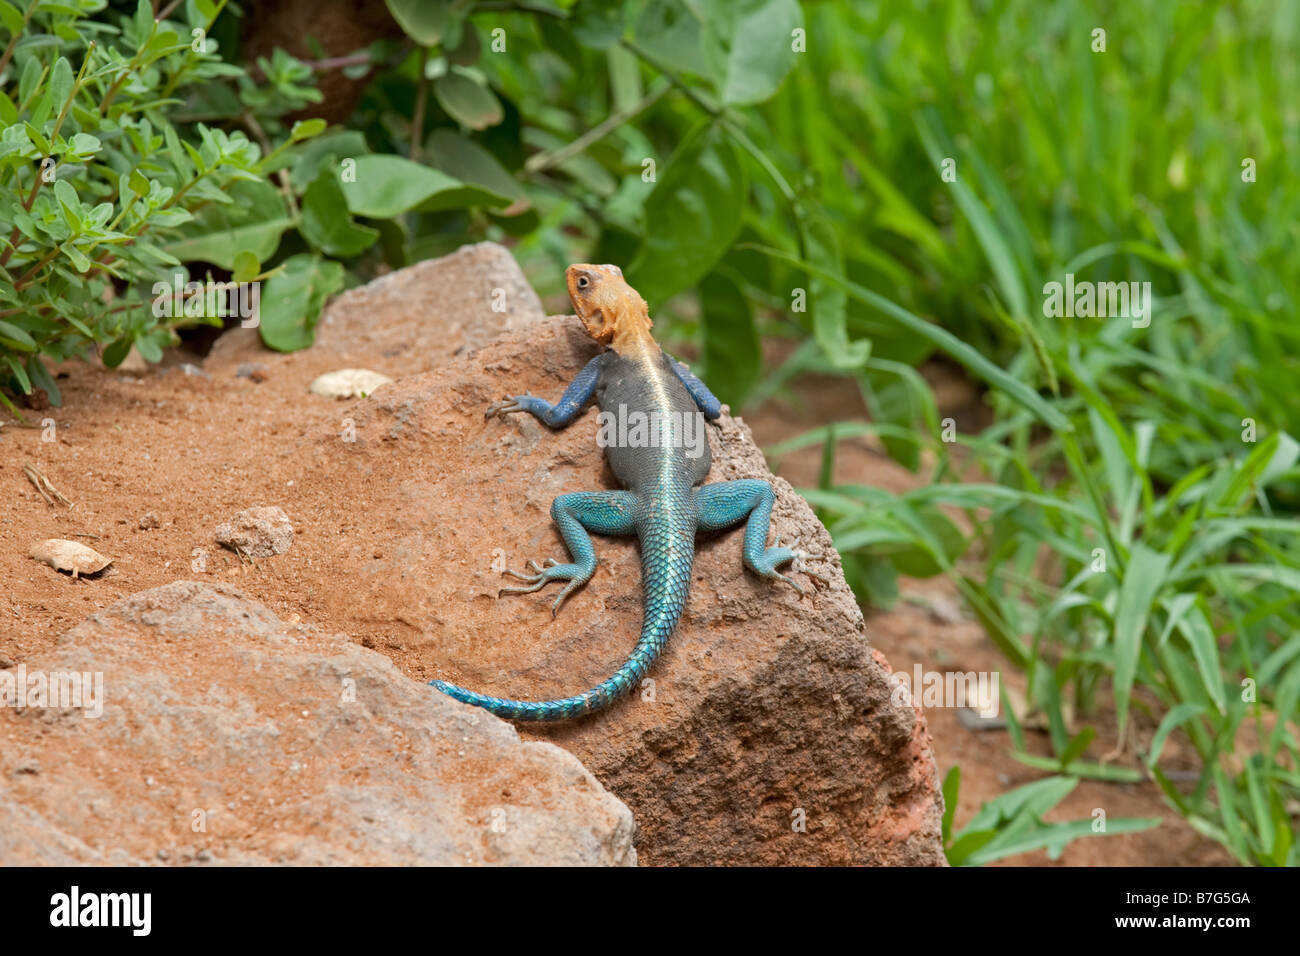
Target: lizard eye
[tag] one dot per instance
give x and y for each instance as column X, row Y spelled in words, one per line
column 583, row 282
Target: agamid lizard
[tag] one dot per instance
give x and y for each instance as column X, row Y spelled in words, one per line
column 664, row 502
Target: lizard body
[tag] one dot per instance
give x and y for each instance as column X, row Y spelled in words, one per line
column 663, row 501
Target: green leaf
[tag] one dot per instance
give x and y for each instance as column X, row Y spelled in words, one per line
column 467, row 50
column 1054, row 836
column 71, row 205
column 967, row 845
column 671, row 32
column 16, row 338
column 951, row 785
column 1195, row 626
column 934, row 541
column 27, row 80
column 143, row 20
column 422, row 20
column 595, row 25
column 38, row 139
column 1078, row 745
column 1176, row 717
column 80, row 261
column 332, row 146
column 744, row 48
column 960, row 351
column 20, row 374
column 246, row 267
column 175, row 152
column 254, row 223
column 220, row 248
column 1143, row 578
column 386, row 186
column 692, row 216
column 138, row 183
column 1286, row 700
column 732, row 354
column 116, row 352
column 60, row 81
column 750, row 47
column 1037, row 797
column 292, row 299
column 11, row 18
column 987, row 234
column 469, row 162
column 83, row 146
column 326, row 223
column 828, row 300
column 1079, row 768
column 466, row 100
column 306, row 129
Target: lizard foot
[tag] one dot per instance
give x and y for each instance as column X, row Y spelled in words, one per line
column 553, row 570
column 777, row 555
column 507, row 405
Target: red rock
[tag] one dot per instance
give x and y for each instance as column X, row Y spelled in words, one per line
column 228, row 736
column 767, row 708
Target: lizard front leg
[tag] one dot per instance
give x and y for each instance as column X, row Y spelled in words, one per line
column 601, row 512
column 705, row 400
column 569, row 406
column 727, row 503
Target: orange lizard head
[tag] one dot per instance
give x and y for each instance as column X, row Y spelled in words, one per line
column 610, row 309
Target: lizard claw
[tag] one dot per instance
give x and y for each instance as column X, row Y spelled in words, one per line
column 506, row 406
column 800, row 564
column 790, row 581
column 534, row 580
column 777, row 555
column 543, row 574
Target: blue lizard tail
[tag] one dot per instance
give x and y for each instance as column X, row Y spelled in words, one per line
column 667, row 578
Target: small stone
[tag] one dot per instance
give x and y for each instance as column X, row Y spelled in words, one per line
column 348, row 383
column 149, row 521
column 71, row 556
column 257, row 532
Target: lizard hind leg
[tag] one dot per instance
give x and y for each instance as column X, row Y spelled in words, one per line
column 722, row 505
column 601, row 512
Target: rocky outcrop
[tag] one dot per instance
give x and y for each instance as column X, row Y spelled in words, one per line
column 227, row 736
column 766, row 734
column 406, row 322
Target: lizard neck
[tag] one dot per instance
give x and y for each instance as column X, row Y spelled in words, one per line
column 632, row 338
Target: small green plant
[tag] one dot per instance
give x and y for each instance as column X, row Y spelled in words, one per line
column 136, row 160
column 1013, row 823
column 1134, row 555
column 100, row 191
